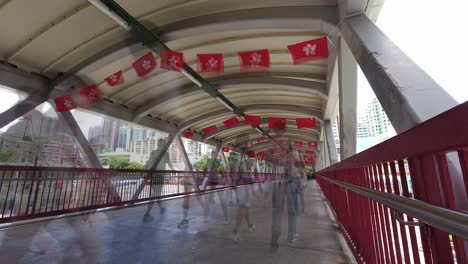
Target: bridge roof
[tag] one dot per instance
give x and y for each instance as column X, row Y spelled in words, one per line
column 75, row 38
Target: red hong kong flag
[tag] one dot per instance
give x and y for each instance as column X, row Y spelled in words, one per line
column 210, row 62
column 311, row 152
column 305, row 122
column 261, row 153
column 226, row 149
column 231, row 122
column 298, row 144
column 145, row 64
column 259, row 158
column 273, row 150
column 115, row 79
column 235, row 146
column 277, row 123
column 255, row 60
column 251, row 154
column 249, row 144
column 172, row 60
column 252, row 120
column 312, row 144
column 309, row 50
column 260, row 140
column 210, row 130
column 188, row 134
column 90, row 95
column 64, row 103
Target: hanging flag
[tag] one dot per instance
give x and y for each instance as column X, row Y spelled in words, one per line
column 284, row 142
column 172, row 60
column 251, row 154
column 259, row 158
column 90, row 95
column 259, row 140
column 231, row 122
column 309, row 50
column 210, row 62
column 256, row 60
column 115, row 79
column 249, row 144
column 226, row 149
column 210, row 130
column 145, row 64
column 273, row 150
column 64, row 103
column 235, row 146
column 277, row 123
column 188, row 134
column 261, row 153
column 312, row 144
column 310, row 152
column 252, row 120
column 298, row 144
column 305, row 122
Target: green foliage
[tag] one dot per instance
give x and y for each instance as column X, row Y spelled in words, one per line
column 309, row 169
column 6, row 154
column 202, row 164
column 120, row 162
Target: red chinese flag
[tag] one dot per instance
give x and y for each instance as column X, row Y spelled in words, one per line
column 305, row 122
column 309, row 50
column 310, row 152
column 172, row 60
column 231, row 122
column 188, row 134
column 145, row 64
column 210, row 130
column 90, row 95
column 210, row 63
column 259, row 140
column 261, row 153
column 252, row 120
column 115, row 79
column 298, row 144
column 255, row 60
column 64, row 103
column 226, row 149
column 277, row 123
column 312, row 144
column 251, row 154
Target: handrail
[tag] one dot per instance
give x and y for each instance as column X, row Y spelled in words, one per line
column 450, row 221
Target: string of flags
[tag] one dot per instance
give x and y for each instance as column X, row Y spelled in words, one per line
column 255, row 60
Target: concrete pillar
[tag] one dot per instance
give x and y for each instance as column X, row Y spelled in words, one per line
column 182, row 150
column 225, row 163
column 154, row 160
column 214, row 156
column 333, row 155
column 67, row 119
column 408, row 95
column 20, row 109
column 348, row 100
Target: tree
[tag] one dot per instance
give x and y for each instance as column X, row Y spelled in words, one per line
column 121, row 162
column 202, row 164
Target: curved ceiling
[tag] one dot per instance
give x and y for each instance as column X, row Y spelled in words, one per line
column 54, row 36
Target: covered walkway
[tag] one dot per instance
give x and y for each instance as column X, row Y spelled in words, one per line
column 126, row 236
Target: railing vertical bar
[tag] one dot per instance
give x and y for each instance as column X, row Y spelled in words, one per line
column 7, row 194
column 23, row 183
column 67, row 181
column 404, row 239
column 31, row 187
column 373, row 230
column 56, row 177
column 463, row 157
column 15, row 192
column 379, row 224
column 60, row 187
column 383, row 217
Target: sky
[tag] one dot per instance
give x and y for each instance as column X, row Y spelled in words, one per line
column 430, row 32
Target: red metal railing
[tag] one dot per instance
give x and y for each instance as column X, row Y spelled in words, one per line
column 31, row 192
column 428, row 163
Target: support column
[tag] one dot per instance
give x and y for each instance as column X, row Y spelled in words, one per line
column 186, row 159
column 225, row 163
column 68, row 119
column 20, row 109
column 333, row 155
column 214, row 156
column 348, row 100
column 408, row 95
column 153, row 162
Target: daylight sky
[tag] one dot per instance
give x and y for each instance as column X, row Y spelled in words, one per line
column 432, row 33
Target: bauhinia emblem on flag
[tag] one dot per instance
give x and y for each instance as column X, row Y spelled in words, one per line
column 251, row 154
column 90, row 95
column 231, row 122
column 64, row 103
column 210, row 130
column 305, row 122
column 261, row 153
column 312, row 144
column 115, row 79
column 226, row 149
column 188, row 134
column 145, row 64
column 252, row 120
column 277, row 123
column 210, row 62
column 309, row 50
column 256, row 60
column 172, row 60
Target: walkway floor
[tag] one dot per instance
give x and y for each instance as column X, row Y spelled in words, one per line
column 123, row 236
